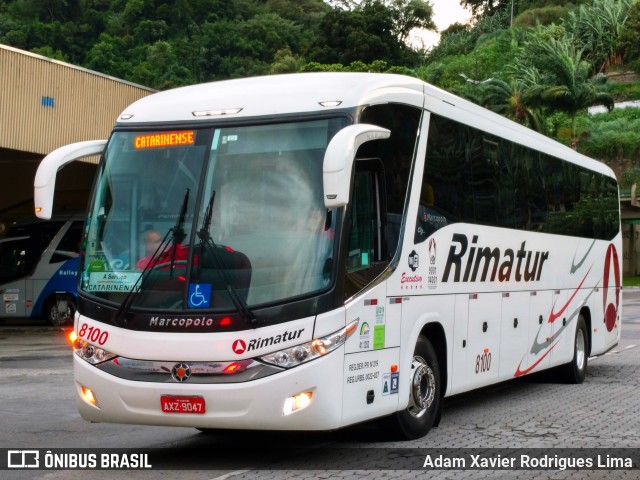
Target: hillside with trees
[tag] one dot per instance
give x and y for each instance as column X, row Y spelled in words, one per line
column 169, row 43
column 539, row 62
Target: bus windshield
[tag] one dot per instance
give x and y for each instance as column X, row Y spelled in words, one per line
column 185, row 219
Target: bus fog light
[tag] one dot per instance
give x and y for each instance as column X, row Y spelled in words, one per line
column 297, row 402
column 88, row 396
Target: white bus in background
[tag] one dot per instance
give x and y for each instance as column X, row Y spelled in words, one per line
column 39, row 268
column 337, row 248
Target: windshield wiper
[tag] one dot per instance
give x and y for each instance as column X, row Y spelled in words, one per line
column 175, row 235
column 206, row 241
column 178, row 230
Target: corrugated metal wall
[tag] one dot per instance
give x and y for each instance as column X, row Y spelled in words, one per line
column 45, row 104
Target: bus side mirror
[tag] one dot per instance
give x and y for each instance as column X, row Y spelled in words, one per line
column 337, row 167
column 45, row 181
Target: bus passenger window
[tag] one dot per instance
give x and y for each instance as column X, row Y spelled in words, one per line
column 430, row 218
column 69, row 246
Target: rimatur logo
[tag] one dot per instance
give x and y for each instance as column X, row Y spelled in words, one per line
column 239, row 347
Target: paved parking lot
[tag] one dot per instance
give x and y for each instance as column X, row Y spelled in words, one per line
column 603, row 412
column 37, row 409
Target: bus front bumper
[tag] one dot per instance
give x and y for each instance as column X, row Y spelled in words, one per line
column 257, row 404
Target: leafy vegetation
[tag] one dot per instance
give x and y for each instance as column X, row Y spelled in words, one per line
column 613, row 136
column 631, row 282
column 167, row 43
column 629, row 41
column 535, row 61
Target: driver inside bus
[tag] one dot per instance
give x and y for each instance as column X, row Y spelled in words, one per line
column 152, row 241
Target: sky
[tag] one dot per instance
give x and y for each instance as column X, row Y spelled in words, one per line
column 445, row 12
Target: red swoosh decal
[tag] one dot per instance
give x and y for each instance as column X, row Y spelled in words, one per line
column 611, row 253
column 553, row 316
column 519, row 372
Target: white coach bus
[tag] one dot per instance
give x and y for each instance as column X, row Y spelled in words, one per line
column 309, row 251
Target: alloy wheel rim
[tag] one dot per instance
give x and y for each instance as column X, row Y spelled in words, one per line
column 580, row 350
column 423, row 387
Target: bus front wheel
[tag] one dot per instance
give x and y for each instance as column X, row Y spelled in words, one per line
column 424, row 395
column 54, row 316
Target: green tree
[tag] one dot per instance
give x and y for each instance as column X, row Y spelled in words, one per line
column 411, row 14
column 284, row 61
column 370, row 30
column 485, row 7
column 542, row 16
column 629, row 40
column 597, row 28
column 468, row 63
column 564, row 81
column 512, row 100
column 49, row 52
column 362, row 34
column 107, row 56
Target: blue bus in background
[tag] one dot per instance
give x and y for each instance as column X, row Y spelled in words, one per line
column 39, row 268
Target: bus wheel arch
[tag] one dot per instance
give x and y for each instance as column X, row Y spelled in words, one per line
column 435, row 333
column 427, row 381
column 50, row 310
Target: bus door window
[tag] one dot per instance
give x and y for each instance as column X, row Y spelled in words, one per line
column 366, row 238
column 384, row 184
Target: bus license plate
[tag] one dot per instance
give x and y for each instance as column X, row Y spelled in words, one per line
column 175, row 404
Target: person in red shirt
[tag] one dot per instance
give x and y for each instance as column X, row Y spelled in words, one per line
column 152, row 241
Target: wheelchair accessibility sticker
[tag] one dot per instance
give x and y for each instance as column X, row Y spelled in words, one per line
column 199, row 295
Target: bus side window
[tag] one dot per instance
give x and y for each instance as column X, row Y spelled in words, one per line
column 69, row 244
column 430, row 218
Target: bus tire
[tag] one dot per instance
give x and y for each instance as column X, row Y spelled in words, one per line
column 424, row 395
column 51, row 314
column 576, row 370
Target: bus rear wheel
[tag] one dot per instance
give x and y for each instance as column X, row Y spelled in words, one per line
column 576, row 370
column 54, row 316
column 424, row 395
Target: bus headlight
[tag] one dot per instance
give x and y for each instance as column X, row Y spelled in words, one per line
column 91, row 353
column 294, row 356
